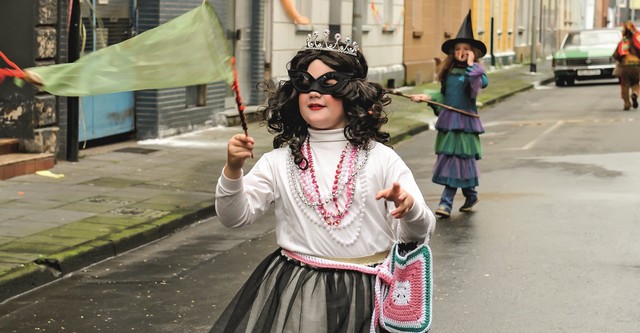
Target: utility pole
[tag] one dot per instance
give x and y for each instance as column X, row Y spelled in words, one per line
column 534, row 19
column 356, row 28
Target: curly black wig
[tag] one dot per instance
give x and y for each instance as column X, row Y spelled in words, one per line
column 363, row 103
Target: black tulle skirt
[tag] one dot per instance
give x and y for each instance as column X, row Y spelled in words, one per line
column 283, row 295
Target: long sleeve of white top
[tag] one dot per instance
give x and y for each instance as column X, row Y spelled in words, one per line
column 243, row 201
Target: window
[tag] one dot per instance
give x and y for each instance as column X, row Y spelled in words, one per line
column 196, row 95
column 511, row 18
column 499, row 23
column 416, row 15
column 388, row 15
column 304, row 7
column 365, row 11
column 480, row 18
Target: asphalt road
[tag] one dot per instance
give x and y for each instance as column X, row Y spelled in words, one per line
column 552, row 247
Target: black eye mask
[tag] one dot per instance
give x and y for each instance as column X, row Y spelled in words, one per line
column 326, row 84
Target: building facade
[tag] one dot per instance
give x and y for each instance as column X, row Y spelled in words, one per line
column 400, row 38
column 381, row 33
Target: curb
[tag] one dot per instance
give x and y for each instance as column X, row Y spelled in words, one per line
column 511, row 93
column 409, row 133
column 42, row 271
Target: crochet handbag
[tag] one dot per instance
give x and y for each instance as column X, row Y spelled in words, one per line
column 404, row 292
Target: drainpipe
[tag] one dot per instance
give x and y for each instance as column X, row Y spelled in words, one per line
column 493, row 57
column 73, row 103
column 356, row 28
column 532, row 66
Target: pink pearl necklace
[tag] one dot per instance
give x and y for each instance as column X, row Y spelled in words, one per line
column 343, row 180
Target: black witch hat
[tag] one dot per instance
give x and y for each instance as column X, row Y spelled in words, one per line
column 465, row 35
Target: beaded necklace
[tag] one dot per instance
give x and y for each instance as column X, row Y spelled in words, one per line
column 332, row 211
column 334, row 217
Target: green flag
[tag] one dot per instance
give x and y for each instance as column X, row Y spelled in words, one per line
column 188, row 50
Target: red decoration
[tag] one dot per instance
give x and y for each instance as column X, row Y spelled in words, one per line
column 236, row 88
column 7, row 72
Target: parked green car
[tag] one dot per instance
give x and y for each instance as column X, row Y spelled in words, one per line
column 586, row 55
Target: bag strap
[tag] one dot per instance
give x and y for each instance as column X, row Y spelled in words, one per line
column 381, row 271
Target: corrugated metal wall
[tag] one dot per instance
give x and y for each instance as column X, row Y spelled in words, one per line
column 257, row 51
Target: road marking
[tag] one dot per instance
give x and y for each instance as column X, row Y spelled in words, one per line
column 568, row 121
column 543, row 134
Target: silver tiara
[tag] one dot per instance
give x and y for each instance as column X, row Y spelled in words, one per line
column 315, row 42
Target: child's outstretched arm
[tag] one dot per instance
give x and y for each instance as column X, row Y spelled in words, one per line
column 401, row 198
column 241, row 199
column 415, row 221
column 239, row 148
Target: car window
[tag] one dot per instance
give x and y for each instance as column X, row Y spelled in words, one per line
column 592, row 38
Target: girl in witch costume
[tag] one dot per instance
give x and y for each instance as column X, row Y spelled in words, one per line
column 458, row 143
column 339, row 194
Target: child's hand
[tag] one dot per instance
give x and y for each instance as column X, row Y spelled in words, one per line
column 400, row 197
column 420, row 97
column 240, row 148
column 471, row 57
column 32, row 78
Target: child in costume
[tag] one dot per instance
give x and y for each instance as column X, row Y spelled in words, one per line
column 458, row 142
column 627, row 55
column 339, row 194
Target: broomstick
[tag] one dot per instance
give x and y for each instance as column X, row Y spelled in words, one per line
column 394, row 92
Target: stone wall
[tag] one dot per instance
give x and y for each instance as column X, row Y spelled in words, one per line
column 45, row 105
column 26, row 113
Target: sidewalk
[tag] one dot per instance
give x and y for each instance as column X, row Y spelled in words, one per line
column 122, row 196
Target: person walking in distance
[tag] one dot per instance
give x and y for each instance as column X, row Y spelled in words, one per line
column 627, row 55
column 339, row 194
column 458, row 143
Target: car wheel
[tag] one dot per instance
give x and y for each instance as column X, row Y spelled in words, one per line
column 570, row 81
column 559, row 82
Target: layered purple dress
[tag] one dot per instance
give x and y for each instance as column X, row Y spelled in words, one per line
column 458, row 142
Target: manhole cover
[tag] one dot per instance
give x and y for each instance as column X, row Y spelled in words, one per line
column 136, row 150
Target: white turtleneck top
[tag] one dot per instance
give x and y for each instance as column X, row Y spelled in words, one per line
column 367, row 228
